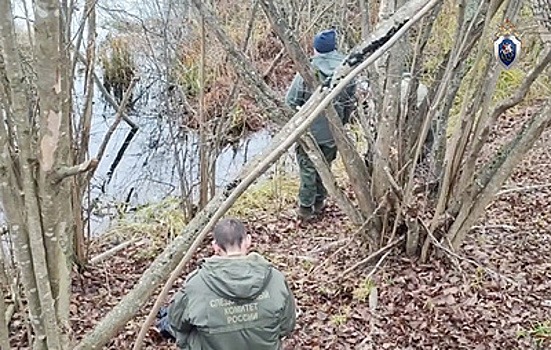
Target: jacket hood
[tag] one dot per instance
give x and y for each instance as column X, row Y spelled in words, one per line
column 237, row 278
column 328, row 62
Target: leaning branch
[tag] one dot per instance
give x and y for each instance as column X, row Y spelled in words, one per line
column 119, row 116
column 108, row 97
column 109, row 253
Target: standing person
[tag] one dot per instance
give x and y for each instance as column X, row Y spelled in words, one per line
column 234, row 301
column 312, row 193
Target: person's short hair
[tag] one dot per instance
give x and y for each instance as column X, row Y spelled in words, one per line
column 229, row 232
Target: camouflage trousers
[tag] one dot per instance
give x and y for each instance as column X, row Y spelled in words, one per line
column 311, row 188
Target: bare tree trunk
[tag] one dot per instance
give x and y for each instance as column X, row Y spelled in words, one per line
column 43, row 234
column 54, row 153
column 203, row 146
column 494, row 175
column 13, row 204
column 389, row 109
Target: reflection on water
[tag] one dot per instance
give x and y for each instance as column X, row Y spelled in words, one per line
column 148, row 172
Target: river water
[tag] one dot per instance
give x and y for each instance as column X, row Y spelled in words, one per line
column 147, row 173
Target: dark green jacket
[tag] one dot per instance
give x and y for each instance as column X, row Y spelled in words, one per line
column 297, row 95
column 233, row 303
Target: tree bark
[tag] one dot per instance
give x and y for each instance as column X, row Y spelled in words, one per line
column 4, row 333
column 43, row 232
column 54, row 152
column 12, row 199
column 388, row 111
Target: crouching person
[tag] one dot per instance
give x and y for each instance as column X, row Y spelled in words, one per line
column 234, row 300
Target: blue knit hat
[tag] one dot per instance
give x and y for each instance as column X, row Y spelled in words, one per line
column 325, row 41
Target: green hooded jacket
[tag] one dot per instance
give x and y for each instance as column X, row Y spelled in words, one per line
column 297, row 95
column 233, row 303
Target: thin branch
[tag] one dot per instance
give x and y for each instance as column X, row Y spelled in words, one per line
column 108, row 253
column 521, row 93
column 86, row 166
column 457, row 256
column 355, row 234
column 393, row 184
column 377, row 265
column 281, row 52
column 108, row 97
column 120, row 115
column 522, row 189
column 371, row 257
column 86, row 120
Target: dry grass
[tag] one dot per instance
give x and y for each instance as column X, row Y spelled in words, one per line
column 118, row 64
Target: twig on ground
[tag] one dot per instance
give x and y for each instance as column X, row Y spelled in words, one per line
column 489, row 227
column 330, row 245
column 108, row 253
column 358, row 231
column 377, row 265
column 374, row 255
column 455, row 255
column 522, row 189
